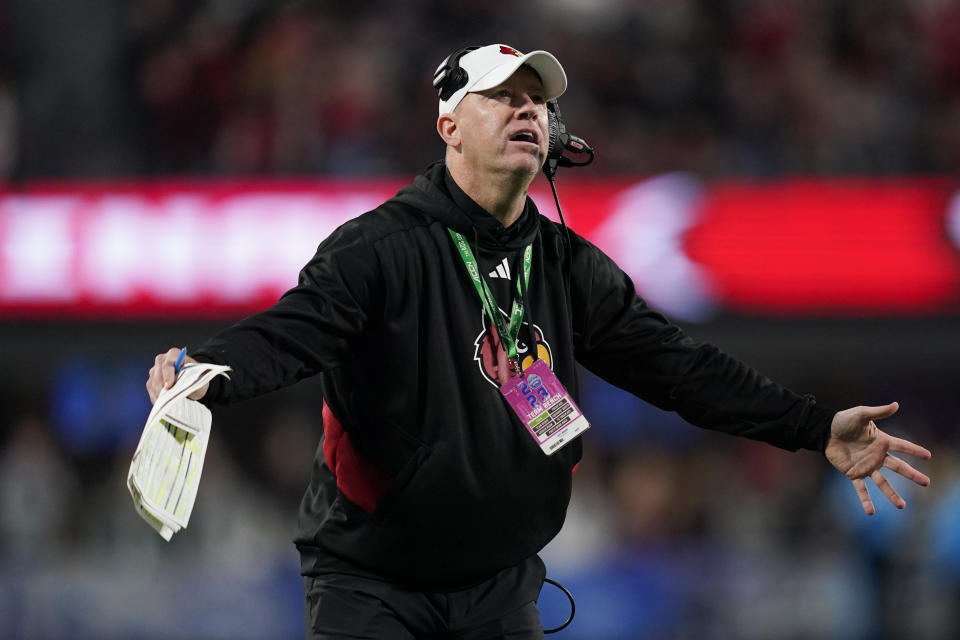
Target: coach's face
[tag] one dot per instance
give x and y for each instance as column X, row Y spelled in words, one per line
column 503, row 129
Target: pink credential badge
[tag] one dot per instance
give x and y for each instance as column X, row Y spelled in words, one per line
column 544, row 407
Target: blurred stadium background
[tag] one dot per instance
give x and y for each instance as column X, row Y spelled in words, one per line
column 781, row 176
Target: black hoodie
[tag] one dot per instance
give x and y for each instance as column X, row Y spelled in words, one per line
column 424, row 474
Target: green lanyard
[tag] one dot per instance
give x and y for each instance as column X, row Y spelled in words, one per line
column 508, row 334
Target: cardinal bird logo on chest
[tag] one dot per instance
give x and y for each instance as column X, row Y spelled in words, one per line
column 491, row 354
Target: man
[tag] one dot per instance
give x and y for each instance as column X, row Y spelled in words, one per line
column 430, row 497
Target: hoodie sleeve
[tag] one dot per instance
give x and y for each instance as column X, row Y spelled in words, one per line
column 308, row 330
column 625, row 342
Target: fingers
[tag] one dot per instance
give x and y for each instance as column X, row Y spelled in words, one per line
column 851, row 424
column 903, row 468
column 162, row 374
column 894, row 464
column 879, row 413
column 155, row 379
column 168, row 371
column 905, row 446
column 861, row 486
column 888, row 490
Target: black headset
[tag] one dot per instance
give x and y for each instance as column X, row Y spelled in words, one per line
column 561, row 140
column 451, row 77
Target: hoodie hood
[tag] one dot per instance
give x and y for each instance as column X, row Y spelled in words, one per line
column 435, row 193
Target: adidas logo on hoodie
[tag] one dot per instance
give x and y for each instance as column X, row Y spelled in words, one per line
column 502, row 270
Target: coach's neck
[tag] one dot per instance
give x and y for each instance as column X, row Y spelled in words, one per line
column 502, row 194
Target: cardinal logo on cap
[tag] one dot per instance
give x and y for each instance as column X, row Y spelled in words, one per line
column 509, row 51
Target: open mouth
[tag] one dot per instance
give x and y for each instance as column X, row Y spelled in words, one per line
column 524, row 136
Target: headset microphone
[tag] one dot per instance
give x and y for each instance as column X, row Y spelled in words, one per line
column 561, row 140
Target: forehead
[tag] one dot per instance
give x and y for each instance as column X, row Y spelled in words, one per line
column 525, row 77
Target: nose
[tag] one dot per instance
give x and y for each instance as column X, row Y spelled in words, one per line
column 527, row 109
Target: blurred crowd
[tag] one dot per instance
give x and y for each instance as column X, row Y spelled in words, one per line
column 213, row 87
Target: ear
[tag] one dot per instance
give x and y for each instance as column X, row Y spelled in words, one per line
column 449, row 129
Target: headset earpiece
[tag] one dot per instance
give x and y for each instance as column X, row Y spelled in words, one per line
column 450, row 76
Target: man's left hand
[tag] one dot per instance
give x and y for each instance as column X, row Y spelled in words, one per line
column 859, row 450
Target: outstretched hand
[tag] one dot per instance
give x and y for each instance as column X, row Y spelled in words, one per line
column 858, row 449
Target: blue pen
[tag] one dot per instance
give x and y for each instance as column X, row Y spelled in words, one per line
column 179, row 362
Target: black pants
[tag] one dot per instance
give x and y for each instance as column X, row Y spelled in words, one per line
column 356, row 605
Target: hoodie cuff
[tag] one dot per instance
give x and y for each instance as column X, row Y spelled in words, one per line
column 814, row 433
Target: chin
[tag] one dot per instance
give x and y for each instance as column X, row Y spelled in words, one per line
column 529, row 165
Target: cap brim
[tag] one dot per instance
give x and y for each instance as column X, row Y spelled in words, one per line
column 544, row 63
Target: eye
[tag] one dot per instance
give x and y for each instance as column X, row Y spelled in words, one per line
column 504, row 93
column 537, row 99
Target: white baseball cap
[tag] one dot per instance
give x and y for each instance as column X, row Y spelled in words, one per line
column 488, row 66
